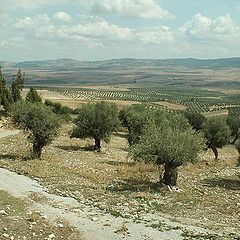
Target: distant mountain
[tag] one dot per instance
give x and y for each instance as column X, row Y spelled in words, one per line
column 71, row 64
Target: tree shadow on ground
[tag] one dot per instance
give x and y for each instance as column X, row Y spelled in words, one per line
column 77, row 148
column 14, row 157
column 133, row 185
column 230, row 184
column 8, row 156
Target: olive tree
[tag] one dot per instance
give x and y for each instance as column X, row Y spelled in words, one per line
column 97, row 121
column 217, row 133
column 39, row 120
column 234, row 125
column 195, row 119
column 134, row 118
column 170, row 142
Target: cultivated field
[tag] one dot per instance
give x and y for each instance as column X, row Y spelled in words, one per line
column 173, row 99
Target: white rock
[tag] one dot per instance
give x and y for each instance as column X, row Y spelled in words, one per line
column 44, row 216
column 5, row 235
column 60, row 225
column 3, row 212
column 51, row 236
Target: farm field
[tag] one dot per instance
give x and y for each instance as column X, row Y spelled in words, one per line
column 173, row 99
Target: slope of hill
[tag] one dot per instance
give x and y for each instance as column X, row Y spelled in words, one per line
column 189, row 63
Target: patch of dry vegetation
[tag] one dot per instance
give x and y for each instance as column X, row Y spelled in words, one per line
column 18, row 221
column 209, row 190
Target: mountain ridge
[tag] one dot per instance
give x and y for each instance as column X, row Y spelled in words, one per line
column 72, row 64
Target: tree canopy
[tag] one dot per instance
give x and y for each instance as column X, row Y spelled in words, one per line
column 134, row 118
column 17, row 86
column 233, row 121
column 171, row 142
column 217, row 133
column 39, row 120
column 6, row 99
column 96, row 121
column 33, row 96
column 195, row 119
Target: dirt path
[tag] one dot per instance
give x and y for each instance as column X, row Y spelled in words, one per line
column 94, row 223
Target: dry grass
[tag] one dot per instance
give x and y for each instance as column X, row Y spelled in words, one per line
column 22, row 223
column 209, row 193
column 223, row 112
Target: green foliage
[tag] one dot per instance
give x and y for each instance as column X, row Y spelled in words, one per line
column 134, row 118
column 165, row 143
column 233, row 121
column 39, row 120
column 6, row 99
column 57, row 108
column 217, row 133
column 169, row 141
column 96, row 121
column 33, row 96
column 195, row 119
column 17, row 86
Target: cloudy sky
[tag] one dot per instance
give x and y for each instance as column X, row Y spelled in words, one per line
column 105, row 29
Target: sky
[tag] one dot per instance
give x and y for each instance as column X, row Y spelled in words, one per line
column 107, row 29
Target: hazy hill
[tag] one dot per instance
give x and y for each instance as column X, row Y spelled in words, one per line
column 189, row 63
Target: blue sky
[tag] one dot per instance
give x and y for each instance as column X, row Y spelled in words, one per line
column 105, row 29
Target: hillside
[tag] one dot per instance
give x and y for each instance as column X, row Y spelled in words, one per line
column 70, row 64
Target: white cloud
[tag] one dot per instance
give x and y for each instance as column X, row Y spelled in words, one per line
column 39, row 26
column 155, row 35
column 148, row 9
column 100, row 29
column 200, row 36
column 29, row 4
column 62, row 16
column 96, row 30
column 200, row 27
column 11, row 42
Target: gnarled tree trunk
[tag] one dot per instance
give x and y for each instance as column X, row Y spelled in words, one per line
column 215, row 151
column 97, row 145
column 170, row 174
column 37, row 150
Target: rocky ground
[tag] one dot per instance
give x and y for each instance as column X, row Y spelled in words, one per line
column 207, row 196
